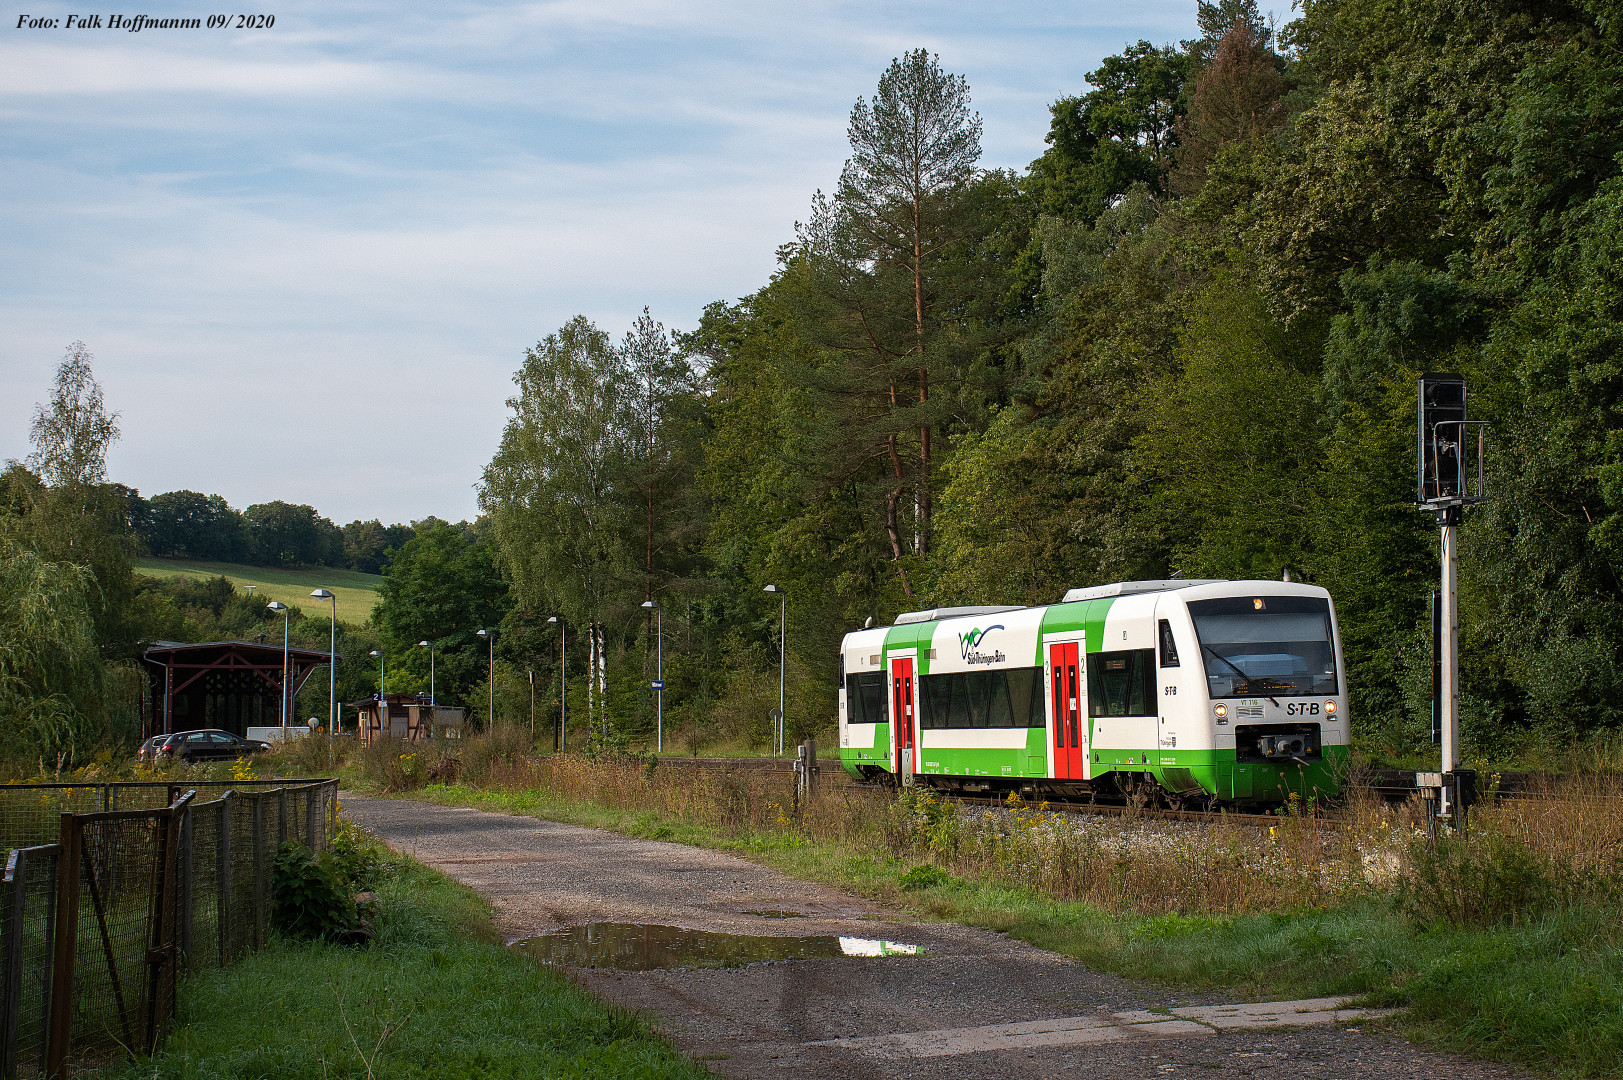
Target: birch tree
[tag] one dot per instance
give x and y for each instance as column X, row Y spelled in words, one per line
column 550, row 491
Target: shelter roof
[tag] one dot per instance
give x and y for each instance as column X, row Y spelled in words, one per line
column 162, row 651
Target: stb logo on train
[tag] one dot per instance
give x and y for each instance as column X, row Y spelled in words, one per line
column 969, row 645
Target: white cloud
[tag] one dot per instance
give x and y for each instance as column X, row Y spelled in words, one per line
column 308, row 261
column 37, row 69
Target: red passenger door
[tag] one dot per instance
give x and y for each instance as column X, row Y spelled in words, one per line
column 1065, row 680
column 901, row 711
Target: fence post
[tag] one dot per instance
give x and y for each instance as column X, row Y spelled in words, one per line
column 53, row 878
column 281, row 814
column 310, row 793
column 16, row 880
column 67, row 946
column 187, row 836
column 222, row 878
column 259, row 871
column 161, row 946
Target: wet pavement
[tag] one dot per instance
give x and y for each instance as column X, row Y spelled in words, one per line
column 681, row 935
column 652, row 947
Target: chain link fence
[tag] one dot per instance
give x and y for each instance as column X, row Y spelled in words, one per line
column 150, row 880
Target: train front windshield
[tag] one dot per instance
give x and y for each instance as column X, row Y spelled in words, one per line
column 1266, row 646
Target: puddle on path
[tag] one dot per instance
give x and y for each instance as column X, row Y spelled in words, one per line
column 772, row 913
column 649, row 947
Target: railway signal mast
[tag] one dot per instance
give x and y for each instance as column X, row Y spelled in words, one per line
column 1450, row 478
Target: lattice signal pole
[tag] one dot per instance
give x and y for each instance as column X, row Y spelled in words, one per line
column 1449, row 478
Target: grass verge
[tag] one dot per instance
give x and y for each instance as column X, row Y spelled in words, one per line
column 435, row 995
column 1546, row 992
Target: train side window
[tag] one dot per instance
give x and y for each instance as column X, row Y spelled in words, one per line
column 865, row 698
column 1169, row 648
column 1122, row 683
column 1025, row 691
column 1003, row 698
column 937, row 694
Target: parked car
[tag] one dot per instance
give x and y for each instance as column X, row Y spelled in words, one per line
column 210, row 745
column 149, row 750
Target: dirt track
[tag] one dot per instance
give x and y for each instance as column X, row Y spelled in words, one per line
column 976, row 1004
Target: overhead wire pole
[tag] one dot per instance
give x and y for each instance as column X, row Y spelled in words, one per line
column 659, row 677
column 563, row 684
column 783, row 653
column 281, row 609
column 429, row 645
column 490, row 636
column 332, row 670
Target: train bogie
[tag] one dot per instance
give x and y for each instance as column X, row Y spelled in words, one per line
column 1205, row 689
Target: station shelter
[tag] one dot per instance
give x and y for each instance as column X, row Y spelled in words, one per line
column 411, row 717
column 230, row 685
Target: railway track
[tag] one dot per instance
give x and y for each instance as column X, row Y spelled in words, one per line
column 1393, row 785
column 832, row 773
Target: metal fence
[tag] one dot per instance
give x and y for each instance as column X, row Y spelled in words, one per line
column 153, row 879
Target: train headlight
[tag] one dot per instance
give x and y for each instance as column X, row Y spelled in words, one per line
column 1220, row 709
column 1330, row 707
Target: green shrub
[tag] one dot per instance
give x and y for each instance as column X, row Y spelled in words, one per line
column 1484, row 879
column 925, row 876
column 360, row 860
column 310, row 899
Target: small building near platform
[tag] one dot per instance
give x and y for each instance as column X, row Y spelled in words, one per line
column 230, row 685
column 411, row 717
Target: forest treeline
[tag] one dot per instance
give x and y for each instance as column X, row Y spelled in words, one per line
column 191, row 525
column 1184, row 340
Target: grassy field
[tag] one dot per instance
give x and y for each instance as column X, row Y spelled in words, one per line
column 436, row 995
column 356, row 592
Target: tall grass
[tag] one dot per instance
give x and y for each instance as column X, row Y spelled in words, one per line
column 1521, row 858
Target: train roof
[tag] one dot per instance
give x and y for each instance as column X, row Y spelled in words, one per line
column 935, row 614
column 1132, row 588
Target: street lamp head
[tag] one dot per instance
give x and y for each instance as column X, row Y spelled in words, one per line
column 425, row 645
column 552, row 618
column 374, row 652
column 772, row 589
column 484, row 633
column 277, row 606
column 650, row 605
column 323, row 594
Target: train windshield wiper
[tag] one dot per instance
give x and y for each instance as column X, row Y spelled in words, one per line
column 1238, row 672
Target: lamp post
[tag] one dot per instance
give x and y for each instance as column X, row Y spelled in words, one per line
column 281, row 609
column 563, row 684
column 332, row 668
column 429, row 645
column 383, row 687
column 490, row 636
column 783, row 652
column 659, row 678
column 531, row 673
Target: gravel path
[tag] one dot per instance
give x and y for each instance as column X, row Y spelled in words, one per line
column 976, row 1003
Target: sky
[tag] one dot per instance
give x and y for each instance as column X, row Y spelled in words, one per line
column 308, row 258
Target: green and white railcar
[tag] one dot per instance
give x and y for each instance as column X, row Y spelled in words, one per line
column 1225, row 689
